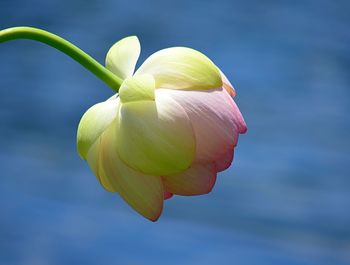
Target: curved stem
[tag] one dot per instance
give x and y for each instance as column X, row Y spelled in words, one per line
column 66, row 47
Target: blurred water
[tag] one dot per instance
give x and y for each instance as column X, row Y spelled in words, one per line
column 285, row 201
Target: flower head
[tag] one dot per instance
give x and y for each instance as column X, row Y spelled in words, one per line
column 172, row 128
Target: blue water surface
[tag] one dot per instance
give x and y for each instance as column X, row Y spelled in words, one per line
column 286, row 199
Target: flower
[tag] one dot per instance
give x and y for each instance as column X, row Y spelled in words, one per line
column 172, row 128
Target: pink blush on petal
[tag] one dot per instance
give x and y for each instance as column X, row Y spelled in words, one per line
column 211, row 113
column 167, row 195
column 197, row 180
column 225, row 161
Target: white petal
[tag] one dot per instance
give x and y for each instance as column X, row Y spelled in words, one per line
column 122, row 57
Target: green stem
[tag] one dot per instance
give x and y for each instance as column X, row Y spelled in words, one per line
column 66, row 47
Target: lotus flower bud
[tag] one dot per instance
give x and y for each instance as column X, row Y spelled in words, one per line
column 171, row 129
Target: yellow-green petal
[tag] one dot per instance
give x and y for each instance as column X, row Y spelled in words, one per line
column 94, row 122
column 181, row 68
column 144, row 193
column 122, row 57
column 94, row 160
column 155, row 137
column 137, row 88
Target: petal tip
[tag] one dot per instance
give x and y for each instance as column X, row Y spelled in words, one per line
column 244, row 129
column 226, row 84
column 167, row 195
column 122, row 57
column 154, row 217
column 132, row 38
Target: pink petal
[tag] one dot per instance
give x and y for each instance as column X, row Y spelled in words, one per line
column 232, row 92
column 198, row 179
column 241, row 125
column 167, row 195
column 225, row 161
column 215, row 118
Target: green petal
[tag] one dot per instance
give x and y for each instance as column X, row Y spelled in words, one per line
column 155, row 137
column 94, row 122
column 137, row 88
column 144, row 193
column 181, row 68
column 122, row 57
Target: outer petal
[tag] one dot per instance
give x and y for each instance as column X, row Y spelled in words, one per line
column 137, row 88
column 214, row 121
column 198, row 179
column 94, row 160
column 225, row 161
column 144, row 193
column 241, row 125
column 155, row 137
column 181, row 68
column 122, row 57
column 94, row 122
column 226, row 84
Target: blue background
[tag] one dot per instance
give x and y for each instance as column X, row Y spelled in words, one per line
column 286, row 199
